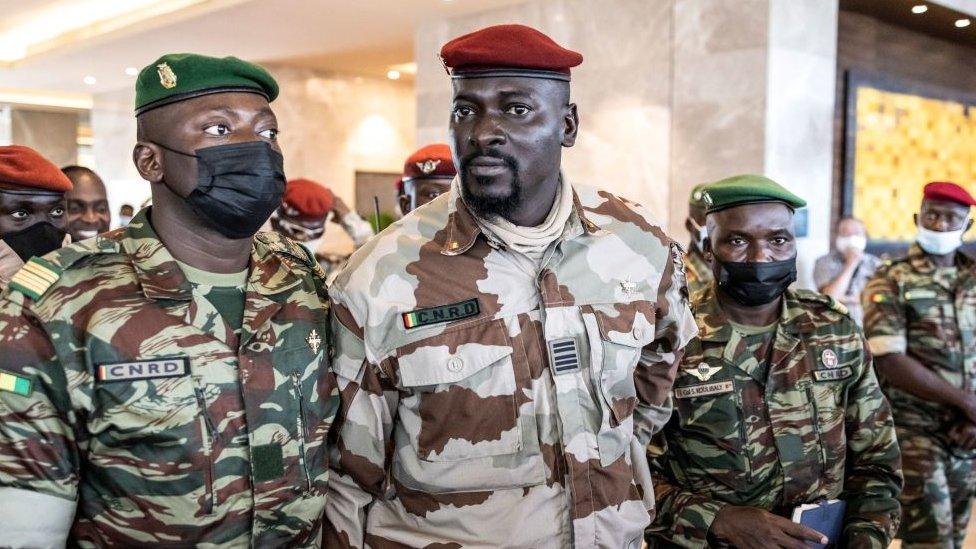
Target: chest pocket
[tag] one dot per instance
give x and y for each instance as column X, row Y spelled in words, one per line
column 459, row 425
column 617, row 334
column 923, row 304
column 828, row 404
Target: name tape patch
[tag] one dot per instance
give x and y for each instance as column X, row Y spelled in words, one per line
column 705, row 389
column 833, row 375
column 564, row 356
column 441, row 313
column 143, row 369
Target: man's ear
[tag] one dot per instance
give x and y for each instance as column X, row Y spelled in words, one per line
column 404, row 203
column 570, row 125
column 969, row 225
column 148, row 160
column 707, row 249
column 915, row 219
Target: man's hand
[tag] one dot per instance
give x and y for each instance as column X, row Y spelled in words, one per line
column 752, row 528
column 963, row 435
column 852, row 256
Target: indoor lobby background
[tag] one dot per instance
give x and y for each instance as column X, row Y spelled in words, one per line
column 852, row 104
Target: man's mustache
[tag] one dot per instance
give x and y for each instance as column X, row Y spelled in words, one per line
column 468, row 158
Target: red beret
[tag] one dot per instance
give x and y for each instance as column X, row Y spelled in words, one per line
column 945, row 190
column 430, row 162
column 309, row 199
column 25, row 167
column 508, row 50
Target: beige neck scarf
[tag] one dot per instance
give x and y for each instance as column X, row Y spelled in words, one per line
column 533, row 241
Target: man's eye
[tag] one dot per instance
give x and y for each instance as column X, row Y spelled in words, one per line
column 518, row 110
column 779, row 241
column 217, row 129
column 271, row 134
column 433, row 194
column 737, row 242
column 463, row 111
column 19, row 214
column 57, row 212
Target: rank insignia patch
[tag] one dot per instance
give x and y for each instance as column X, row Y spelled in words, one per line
column 143, row 369
column 564, row 356
column 440, row 314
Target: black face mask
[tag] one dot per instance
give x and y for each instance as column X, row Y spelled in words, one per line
column 36, row 240
column 753, row 284
column 238, row 186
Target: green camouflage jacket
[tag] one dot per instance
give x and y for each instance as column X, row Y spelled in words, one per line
column 128, row 393
column 699, row 272
column 809, row 423
column 911, row 307
column 487, row 404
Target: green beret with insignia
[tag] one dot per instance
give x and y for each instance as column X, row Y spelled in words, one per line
column 178, row 76
column 697, row 196
column 748, row 189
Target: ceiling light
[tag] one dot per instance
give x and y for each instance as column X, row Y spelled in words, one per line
column 393, row 74
column 921, row 8
column 961, row 23
column 131, row 71
column 90, row 80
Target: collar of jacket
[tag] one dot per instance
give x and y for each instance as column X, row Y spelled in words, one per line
column 160, row 275
column 920, row 261
column 714, row 325
column 462, row 229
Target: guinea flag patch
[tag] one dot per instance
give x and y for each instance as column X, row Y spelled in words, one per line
column 13, row 383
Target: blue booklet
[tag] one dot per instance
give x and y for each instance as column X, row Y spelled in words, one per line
column 826, row 517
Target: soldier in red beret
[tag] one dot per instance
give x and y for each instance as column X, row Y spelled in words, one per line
column 32, row 208
column 506, row 351
column 919, row 321
column 427, row 174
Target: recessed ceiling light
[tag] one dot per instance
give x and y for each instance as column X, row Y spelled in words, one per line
column 393, row 74
column 131, row 71
column 921, row 8
column 963, row 23
column 90, row 80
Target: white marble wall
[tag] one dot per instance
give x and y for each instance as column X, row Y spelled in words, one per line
column 622, row 88
column 332, row 125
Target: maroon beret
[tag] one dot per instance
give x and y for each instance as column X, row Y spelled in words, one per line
column 432, row 161
column 946, row 190
column 24, row 167
column 508, row 50
column 310, row 200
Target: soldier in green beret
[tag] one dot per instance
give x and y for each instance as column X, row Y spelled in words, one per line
column 167, row 383
column 697, row 270
column 776, row 403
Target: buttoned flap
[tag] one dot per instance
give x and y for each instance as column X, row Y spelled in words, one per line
column 630, row 324
column 459, row 389
column 922, row 301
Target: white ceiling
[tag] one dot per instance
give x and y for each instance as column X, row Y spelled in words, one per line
column 362, row 36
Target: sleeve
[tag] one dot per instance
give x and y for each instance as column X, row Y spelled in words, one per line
column 362, row 446
column 824, row 272
column 683, row 516
column 358, row 228
column 38, row 436
column 655, row 372
column 872, row 474
column 884, row 315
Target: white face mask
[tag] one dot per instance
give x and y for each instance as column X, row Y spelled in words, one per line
column 939, row 243
column 124, row 220
column 853, row 242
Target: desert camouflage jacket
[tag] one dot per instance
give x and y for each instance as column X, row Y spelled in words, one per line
column 911, row 307
column 774, row 421
column 124, row 390
column 488, row 404
column 699, row 273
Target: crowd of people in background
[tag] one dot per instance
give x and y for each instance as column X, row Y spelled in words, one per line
column 519, row 361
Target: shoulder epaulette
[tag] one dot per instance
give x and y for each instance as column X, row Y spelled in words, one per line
column 37, row 276
column 823, row 299
column 286, row 246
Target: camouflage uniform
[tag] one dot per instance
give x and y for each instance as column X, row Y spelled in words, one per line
column 462, row 431
column 911, row 307
column 773, row 421
column 221, row 442
column 698, row 270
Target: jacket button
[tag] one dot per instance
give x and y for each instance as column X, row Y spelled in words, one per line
column 455, row 364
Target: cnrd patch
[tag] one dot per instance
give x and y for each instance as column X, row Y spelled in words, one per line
column 441, row 313
column 143, row 369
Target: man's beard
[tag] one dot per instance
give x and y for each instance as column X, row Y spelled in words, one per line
column 485, row 205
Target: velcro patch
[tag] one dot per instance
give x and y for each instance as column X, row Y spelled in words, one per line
column 564, row 356
column 833, row 375
column 13, row 383
column 154, row 368
column 704, row 389
column 441, row 313
column 267, row 462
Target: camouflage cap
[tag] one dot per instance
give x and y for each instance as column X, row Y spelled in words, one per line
column 697, row 196
column 747, row 189
column 179, row 76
